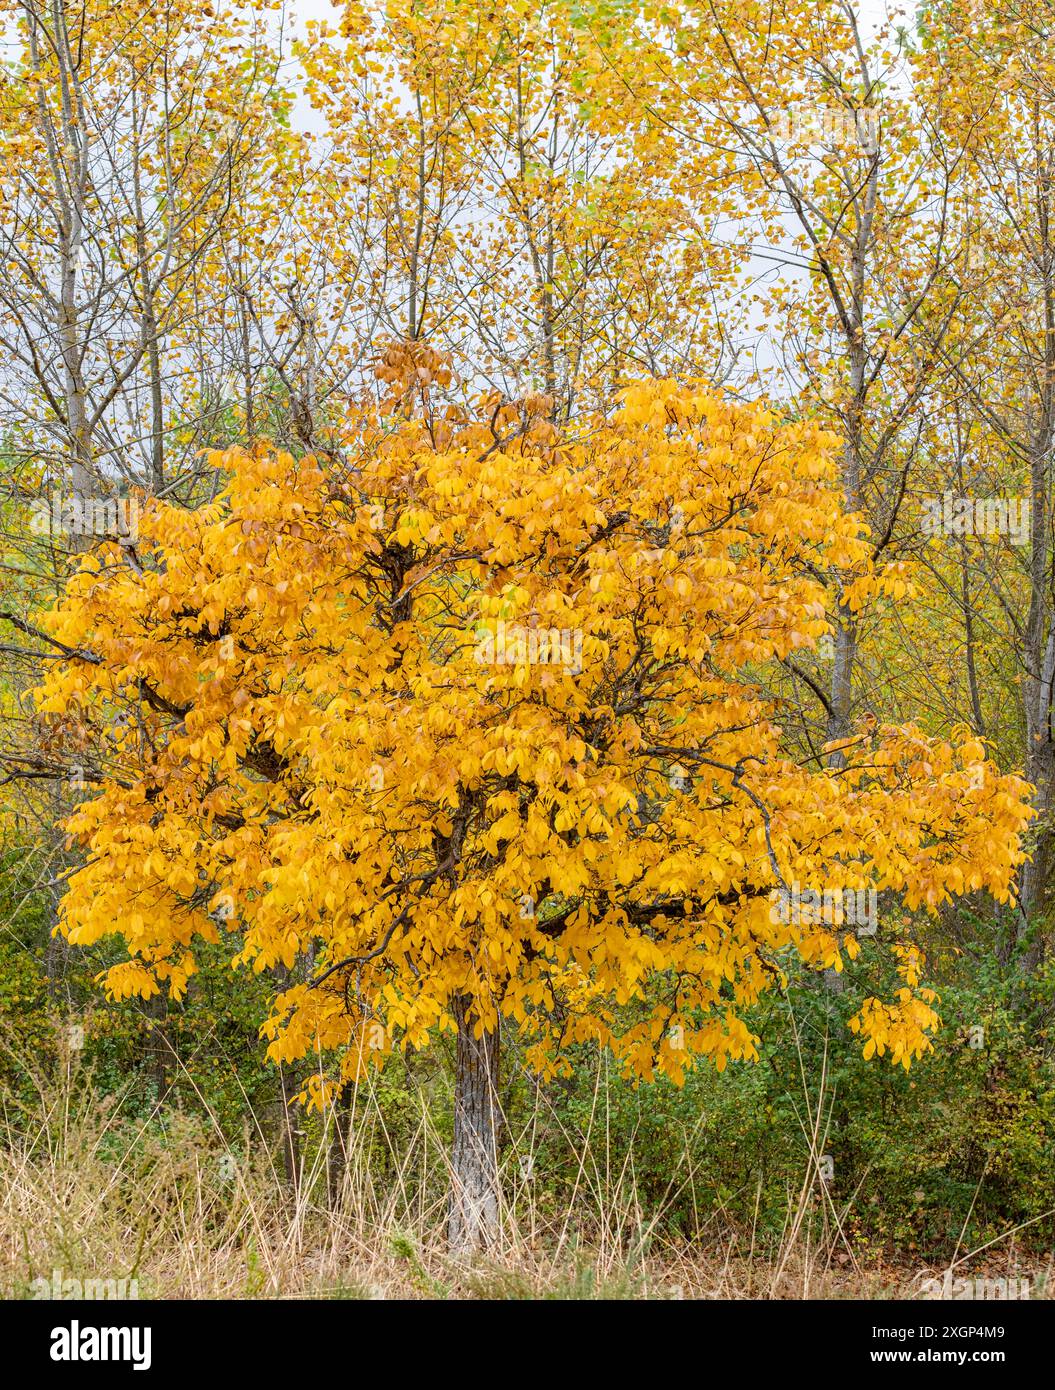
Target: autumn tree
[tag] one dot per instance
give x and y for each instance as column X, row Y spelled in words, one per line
column 810, row 128
column 497, row 206
column 993, row 76
column 125, row 135
column 476, row 731
column 130, row 138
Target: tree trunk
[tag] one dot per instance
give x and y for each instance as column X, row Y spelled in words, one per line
column 473, row 1214
column 337, row 1158
column 840, row 708
column 1038, row 687
column 288, row 1118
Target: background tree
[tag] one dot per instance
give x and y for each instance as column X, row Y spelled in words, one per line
column 806, row 126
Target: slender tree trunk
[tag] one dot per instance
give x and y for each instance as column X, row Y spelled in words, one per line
column 159, row 1047
column 149, row 337
column 288, row 1118
column 473, row 1215
column 1040, row 770
column 148, row 322
column 289, row 1084
column 337, row 1158
column 840, row 708
column 841, row 697
column 1037, row 688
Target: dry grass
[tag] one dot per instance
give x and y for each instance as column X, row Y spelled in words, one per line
column 89, row 1193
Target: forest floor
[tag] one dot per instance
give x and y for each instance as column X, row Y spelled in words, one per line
column 91, row 1207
